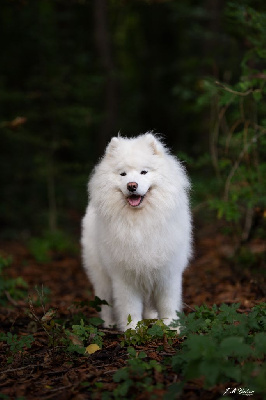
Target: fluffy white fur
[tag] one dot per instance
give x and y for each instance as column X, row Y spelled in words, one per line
column 135, row 254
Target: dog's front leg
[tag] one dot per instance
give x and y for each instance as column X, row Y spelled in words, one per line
column 168, row 298
column 127, row 300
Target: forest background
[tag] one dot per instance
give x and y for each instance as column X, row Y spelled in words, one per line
column 73, row 74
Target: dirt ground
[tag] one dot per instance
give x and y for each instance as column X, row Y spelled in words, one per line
column 45, row 373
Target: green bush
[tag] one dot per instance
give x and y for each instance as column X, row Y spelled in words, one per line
column 238, row 127
column 218, row 345
column 223, row 345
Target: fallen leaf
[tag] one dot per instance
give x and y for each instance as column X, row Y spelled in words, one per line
column 49, row 315
column 92, row 348
column 75, row 339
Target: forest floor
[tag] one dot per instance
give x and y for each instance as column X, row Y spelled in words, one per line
column 47, row 372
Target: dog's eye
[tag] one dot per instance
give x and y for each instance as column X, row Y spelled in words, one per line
column 144, row 172
column 123, row 174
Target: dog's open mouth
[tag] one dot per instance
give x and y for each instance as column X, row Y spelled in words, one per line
column 134, row 200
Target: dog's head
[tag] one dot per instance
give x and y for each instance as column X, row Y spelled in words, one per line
column 134, row 163
column 137, row 173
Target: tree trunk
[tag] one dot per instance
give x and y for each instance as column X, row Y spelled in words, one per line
column 103, row 45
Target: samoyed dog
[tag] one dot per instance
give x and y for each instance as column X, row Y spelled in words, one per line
column 136, row 233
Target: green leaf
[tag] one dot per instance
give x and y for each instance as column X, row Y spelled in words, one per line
column 210, row 369
column 232, row 371
column 121, row 375
column 234, row 346
column 131, row 351
column 142, row 354
column 122, row 390
column 75, row 348
column 200, row 346
column 96, row 321
column 154, row 364
column 192, row 369
column 260, row 344
column 173, row 391
column 178, row 361
column 97, row 302
column 156, row 331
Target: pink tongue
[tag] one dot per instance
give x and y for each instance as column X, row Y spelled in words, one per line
column 134, row 200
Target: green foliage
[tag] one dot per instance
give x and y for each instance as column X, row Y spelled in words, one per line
column 136, row 377
column 43, row 247
column 97, row 303
column 223, row 321
column 220, row 345
column 74, row 339
column 146, row 330
column 16, row 344
column 238, row 125
column 85, row 331
column 223, row 345
column 15, row 287
column 85, row 334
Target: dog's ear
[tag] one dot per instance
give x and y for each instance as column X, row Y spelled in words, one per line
column 157, row 147
column 112, row 146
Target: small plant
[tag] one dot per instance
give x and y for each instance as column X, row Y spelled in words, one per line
column 16, row 344
column 47, row 322
column 136, row 377
column 75, row 339
column 85, row 331
column 81, row 335
column 146, row 330
column 11, row 289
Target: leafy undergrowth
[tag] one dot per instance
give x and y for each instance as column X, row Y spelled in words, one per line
column 52, row 347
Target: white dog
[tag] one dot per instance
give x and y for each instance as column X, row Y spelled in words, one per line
column 136, row 234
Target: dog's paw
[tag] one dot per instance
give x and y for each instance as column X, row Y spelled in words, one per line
column 169, row 323
column 176, row 329
column 109, row 323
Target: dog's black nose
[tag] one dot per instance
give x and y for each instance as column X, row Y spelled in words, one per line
column 132, row 186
